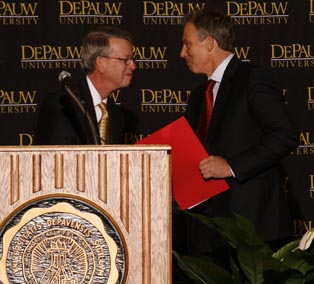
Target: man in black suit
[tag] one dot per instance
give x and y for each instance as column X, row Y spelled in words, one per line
column 108, row 64
column 249, row 133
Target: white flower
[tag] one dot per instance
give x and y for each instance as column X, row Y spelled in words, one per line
column 306, row 240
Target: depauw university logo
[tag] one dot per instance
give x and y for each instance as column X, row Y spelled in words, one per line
column 18, row 101
column 48, row 56
column 294, row 55
column 168, row 12
column 258, row 13
column 306, row 147
column 90, row 12
column 164, row 100
column 151, row 57
column 18, row 13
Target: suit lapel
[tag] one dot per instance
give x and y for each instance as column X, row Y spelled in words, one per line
column 223, row 93
column 87, row 101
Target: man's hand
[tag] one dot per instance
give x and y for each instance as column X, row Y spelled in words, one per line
column 215, row 167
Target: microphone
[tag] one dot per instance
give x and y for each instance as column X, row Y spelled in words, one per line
column 65, row 78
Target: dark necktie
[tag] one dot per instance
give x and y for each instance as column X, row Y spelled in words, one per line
column 207, row 112
column 103, row 124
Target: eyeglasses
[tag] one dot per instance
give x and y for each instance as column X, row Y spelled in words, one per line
column 127, row 60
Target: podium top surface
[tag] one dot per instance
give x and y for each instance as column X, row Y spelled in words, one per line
column 140, row 147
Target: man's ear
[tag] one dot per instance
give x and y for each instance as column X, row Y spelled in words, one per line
column 210, row 42
column 99, row 64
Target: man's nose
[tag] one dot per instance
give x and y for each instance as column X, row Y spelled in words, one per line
column 132, row 65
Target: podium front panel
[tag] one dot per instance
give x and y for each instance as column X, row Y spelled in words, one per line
column 85, row 214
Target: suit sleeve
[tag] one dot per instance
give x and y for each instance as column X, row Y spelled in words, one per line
column 274, row 134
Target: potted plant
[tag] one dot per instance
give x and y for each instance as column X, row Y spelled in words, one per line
column 252, row 261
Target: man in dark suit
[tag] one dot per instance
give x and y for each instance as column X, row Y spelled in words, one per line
column 108, row 64
column 248, row 134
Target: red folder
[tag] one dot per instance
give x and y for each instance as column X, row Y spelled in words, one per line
column 189, row 188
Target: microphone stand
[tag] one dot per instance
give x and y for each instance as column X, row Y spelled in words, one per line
column 89, row 119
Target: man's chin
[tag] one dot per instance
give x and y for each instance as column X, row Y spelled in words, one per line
column 127, row 82
column 196, row 70
column 193, row 69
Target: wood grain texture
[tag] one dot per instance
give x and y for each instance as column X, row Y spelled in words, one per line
column 130, row 183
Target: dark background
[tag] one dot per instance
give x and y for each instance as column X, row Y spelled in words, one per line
column 38, row 40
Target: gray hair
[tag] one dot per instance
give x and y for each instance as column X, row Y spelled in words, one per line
column 96, row 43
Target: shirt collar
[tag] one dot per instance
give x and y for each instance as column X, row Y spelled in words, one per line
column 95, row 95
column 220, row 70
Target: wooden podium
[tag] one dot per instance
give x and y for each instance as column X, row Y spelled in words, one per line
column 85, row 214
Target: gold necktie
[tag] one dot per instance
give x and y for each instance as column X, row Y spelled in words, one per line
column 103, row 124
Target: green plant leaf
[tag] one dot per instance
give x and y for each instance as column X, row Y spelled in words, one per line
column 294, row 258
column 226, row 227
column 251, row 262
column 237, row 230
column 201, row 271
column 255, row 262
column 248, row 229
column 285, row 250
column 286, row 277
column 309, row 278
column 273, row 264
column 236, row 274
